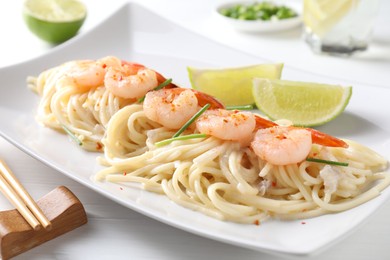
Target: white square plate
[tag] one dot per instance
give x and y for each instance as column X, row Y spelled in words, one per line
column 136, row 34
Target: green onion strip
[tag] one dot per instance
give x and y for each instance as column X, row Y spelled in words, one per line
column 177, row 136
column 191, row 120
column 310, row 159
column 244, row 107
column 71, row 135
column 182, row 137
column 165, row 83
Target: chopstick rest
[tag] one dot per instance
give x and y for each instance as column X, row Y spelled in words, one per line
column 61, row 207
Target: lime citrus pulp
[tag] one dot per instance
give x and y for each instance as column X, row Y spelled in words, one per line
column 303, row 103
column 54, row 21
column 232, row 86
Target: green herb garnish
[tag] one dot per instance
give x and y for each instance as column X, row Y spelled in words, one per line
column 71, row 135
column 244, row 107
column 165, row 83
column 265, row 11
column 311, row 159
column 191, row 120
column 182, row 137
column 177, row 136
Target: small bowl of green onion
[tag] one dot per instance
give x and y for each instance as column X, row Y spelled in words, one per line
column 260, row 16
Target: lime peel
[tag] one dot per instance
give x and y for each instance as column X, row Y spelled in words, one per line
column 304, row 103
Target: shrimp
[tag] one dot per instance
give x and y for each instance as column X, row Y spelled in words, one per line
column 280, row 145
column 227, row 125
column 317, row 136
column 129, row 82
column 132, row 80
column 122, row 78
column 173, row 107
column 87, row 74
column 133, row 68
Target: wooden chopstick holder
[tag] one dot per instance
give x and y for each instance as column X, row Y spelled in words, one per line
column 62, row 208
column 25, row 204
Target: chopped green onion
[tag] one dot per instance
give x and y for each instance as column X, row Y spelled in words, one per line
column 191, row 120
column 182, row 137
column 165, row 83
column 310, row 159
column 72, row 135
column 244, row 107
column 265, row 10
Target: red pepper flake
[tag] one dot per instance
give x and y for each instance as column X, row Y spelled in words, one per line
column 273, row 184
column 99, row 146
column 104, row 66
column 124, row 173
column 303, row 223
column 257, row 222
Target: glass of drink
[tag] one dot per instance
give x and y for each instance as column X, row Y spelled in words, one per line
column 339, row 27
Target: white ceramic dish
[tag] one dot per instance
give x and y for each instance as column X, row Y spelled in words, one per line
column 260, row 25
column 169, row 48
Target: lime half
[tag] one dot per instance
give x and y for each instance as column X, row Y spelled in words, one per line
column 54, row 21
column 303, row 103
column 232, row 86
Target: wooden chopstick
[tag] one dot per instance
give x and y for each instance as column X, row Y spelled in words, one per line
column 21, row 199
column 18, row 203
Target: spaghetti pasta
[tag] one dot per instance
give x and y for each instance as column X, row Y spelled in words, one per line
column 241, row 167
column 226, row 181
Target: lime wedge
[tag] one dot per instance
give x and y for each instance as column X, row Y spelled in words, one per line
column 54, row 21
column 232, row 86
column 303, row 103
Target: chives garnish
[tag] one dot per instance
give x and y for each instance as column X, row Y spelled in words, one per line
column 72, row 135
column 182, row 137
column 310, row 159
column 244, row 107
column 165, row 83
column 191, row 120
